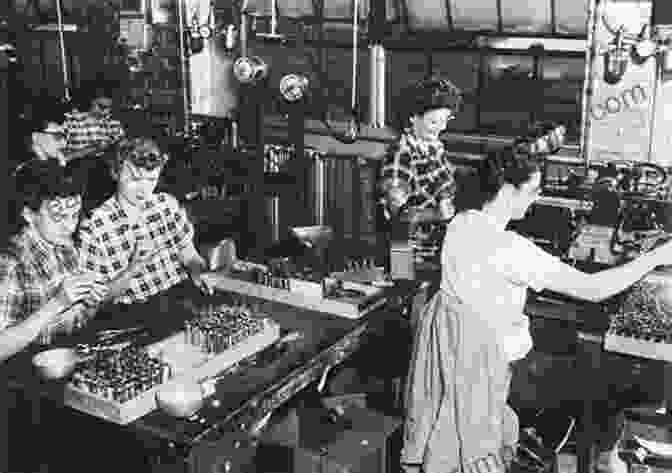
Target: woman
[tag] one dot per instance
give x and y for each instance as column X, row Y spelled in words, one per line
column 44, row 133
column 42, row 286
column 457, row 417
column 416, row 174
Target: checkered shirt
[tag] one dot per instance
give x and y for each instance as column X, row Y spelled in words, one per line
column 109, row 238
column 83, row 129
column 31, row 271
column 421, row 169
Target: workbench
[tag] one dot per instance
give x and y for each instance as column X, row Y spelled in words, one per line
column 244, row 397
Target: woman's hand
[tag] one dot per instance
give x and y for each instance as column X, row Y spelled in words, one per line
column 446, row 209
column 489, row 464
column 204, row 281
column 74, row 289
column 97, row 294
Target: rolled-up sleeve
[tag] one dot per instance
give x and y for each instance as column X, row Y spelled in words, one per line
column 397, row 171
column 11, row 292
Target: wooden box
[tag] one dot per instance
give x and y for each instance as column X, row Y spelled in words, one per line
column 188, row 364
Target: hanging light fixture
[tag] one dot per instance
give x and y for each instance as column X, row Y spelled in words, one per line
column 250, row 69
column 294, row 87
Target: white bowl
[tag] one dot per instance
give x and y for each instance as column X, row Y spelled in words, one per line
column 180, row 399
column 56, row 363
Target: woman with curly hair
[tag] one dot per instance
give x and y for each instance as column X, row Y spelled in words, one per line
column 416, row 174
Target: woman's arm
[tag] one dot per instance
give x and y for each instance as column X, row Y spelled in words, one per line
column 598, row 286
column 16, row 338
column 396, row 175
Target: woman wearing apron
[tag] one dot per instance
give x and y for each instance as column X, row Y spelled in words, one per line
column 474, row 326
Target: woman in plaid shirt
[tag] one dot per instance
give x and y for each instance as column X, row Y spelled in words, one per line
column 416, row 174
column 139, row 242
column 42, row 286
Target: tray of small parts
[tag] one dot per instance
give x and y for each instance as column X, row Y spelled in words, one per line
column 642, row 324
column 350, row 299
column 120, row 385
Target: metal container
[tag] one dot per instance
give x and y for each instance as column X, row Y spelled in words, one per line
column 57, row 363
column 222, row 256
column 181, row 399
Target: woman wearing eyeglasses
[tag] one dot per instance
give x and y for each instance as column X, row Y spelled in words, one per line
column 42, row 286
column 140, row 242
column 416, row 175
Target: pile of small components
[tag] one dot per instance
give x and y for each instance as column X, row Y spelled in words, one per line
column 215, row 330
column 120, row 375
column 645, row 314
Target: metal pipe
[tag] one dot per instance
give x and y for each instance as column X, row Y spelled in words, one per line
column 380, row 92
column 373, row 86
column 61, row 43
column 274, row 17
column 243, row 33
column 184, row 66
column 355, row 52
column 319, row 189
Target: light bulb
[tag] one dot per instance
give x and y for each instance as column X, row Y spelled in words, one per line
column 293, row 87
column 615, row 65
column 248, row 69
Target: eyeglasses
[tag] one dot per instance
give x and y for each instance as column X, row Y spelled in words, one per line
column 103, row 107
column 56, row 134
column 148, row 160
column 61, row 208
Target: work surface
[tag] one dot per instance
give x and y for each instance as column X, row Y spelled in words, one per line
column 247, row 394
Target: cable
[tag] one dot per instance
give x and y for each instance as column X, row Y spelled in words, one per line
column 61, row 42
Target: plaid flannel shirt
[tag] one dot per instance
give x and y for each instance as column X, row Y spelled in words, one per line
column 421, row 169
column 31, row 271
column 108, row 240
column 83, row 129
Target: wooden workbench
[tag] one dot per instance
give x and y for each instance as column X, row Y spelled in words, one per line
column 244, row 397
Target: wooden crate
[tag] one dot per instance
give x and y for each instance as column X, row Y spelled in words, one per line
column 188, row 364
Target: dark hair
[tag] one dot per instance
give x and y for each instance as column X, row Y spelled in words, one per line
column 49, row 110
column 39, row 111
column 141, row 152
column 477, row 187
column 37, row 181
column 94, row 89
column 425, row 95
